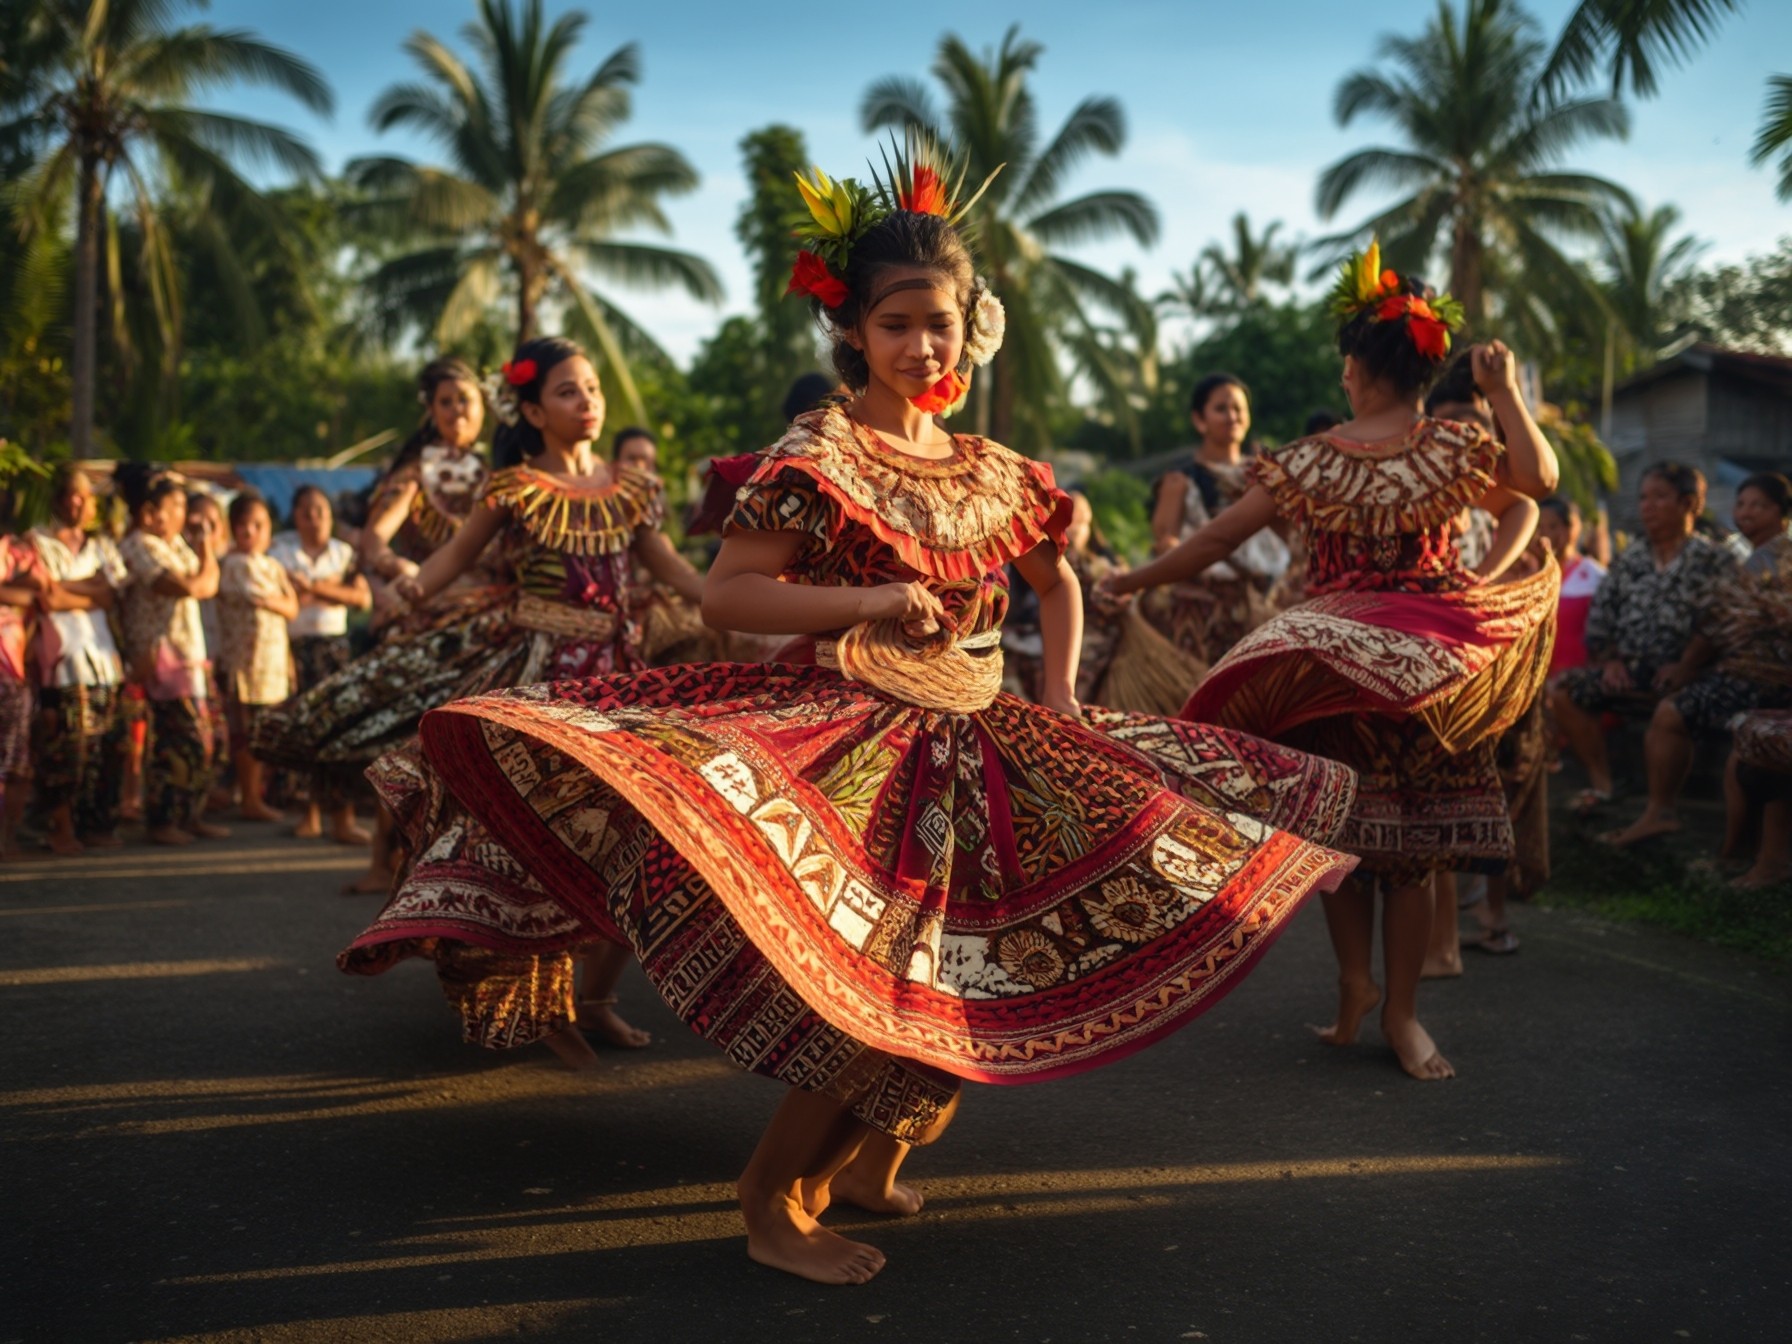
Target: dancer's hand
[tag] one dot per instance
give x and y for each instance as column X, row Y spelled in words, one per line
column 1063, row 702
column 911, row 603
column 409, row 589
column 1496, row 369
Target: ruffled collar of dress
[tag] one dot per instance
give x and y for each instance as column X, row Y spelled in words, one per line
column 1408, row 482
column 578, row 519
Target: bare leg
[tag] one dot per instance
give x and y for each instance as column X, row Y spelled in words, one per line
column 807, row 1137
column 571, row 1048
column 377, row 880
column 597, row 1004
column 867, row 1177
column 251, row 778
column 1667, row 753
column 61, row 837
column 1585, row 739
column 1737, row 812
column 312, row 826
column 1773, row 860
column 1443, row 958
column 1350, row 919
column 1405, row 932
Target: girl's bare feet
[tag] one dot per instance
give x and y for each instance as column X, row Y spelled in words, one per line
column 865, row 1191
column 206, row 830
column 1649, row 826
column 344, row 831
column 258, row 812
column 600, row 1015
column 573, row 1049
column 1417, row 1052
column 1355, row 1001
column 64, row 845
column 782, row 1236
column 1439, row 967
column 103, row 840
column 1758, row 877
column 376, row 881
column 169, row 835
column 311, row 828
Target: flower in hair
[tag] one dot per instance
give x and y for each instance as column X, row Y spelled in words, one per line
column 926, row 194
column 1361, row 284
column 988, row 324
column 502, row 396
column 810, row 275
column 520, row 372
column 1363, row 287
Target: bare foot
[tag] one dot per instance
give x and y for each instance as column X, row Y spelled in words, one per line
column 258, row 812
column 64, row 846
column 781, row 1235
column 376, row 881
column 1758, row 877
column 103, row 840
column 1441, row 968
column 308, row 829
column 572, row 1048
column 169, row 835
column 1646, row 827
column 207, row 830
column 853, row 1187
column 1354, row 1004
column 351, row 835
column 1417, row 1052
column 600, row 1015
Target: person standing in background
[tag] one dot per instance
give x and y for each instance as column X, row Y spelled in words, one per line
column 323, row 572
column 22, row 584
column 255, row 601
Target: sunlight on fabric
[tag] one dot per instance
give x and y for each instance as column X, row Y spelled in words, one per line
column 185, row 1106
column 97, row 908
column 133, row 970
column 684, row 1214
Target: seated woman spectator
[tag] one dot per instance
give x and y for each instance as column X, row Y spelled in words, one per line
column 1739, row 660
column 79, row 736
column 323, row 571
column 1758, row 788
column 1641, row 621
column 1560, row 525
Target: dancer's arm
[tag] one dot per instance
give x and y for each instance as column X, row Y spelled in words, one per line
column 743, row 593
column 455, row 558
column 1531, row 466
column 1060, row 624
column 1253, row 512
column 1516, row 523
column 663, row 561
column 1166, row 517
column 377, row 555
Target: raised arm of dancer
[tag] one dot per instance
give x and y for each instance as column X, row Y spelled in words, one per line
column 1531, row 466
column 1060, row 624
column 743, row 593
column 1253, row 512
column 377, row 555
column 1515, row 518
column 1166, row 514
column 453, row 559
column 663, row 561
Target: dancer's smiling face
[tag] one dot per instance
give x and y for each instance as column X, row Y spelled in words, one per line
column 571, row 409
column 458, row 410
column 913, row 335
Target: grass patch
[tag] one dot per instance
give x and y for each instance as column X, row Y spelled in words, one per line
column 1652, row 885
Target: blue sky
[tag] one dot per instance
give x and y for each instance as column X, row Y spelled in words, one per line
column 1229, row 104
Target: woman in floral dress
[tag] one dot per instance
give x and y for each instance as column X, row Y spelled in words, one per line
column 870, row 875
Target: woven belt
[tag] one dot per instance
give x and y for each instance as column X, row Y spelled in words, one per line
column 961, row 677
column 562, row 618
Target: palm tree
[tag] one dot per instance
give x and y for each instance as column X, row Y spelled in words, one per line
column 1252, row 263
column 990, row 116
column 1642, row 260
column 96, row 105
column 1775, row 137
column 533, row 195
column 1629, row 41
column 1479, row 162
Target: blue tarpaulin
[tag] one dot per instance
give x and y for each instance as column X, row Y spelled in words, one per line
column 277, row 483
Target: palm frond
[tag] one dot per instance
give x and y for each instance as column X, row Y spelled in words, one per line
column 1775, row 135
column 1095, row 216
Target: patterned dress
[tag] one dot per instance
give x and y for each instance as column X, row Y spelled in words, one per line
column 1749, row 626
column 864, row 897
column 502, row 951
column 444, row 484
column 1401, row 663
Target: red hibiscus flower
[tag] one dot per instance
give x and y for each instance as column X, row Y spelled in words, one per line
column 927, row 196
column 942, row 395
column 1431, row 336
column 520, row 373
column 810, row 275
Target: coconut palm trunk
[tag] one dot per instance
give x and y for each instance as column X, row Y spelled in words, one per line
column 87, row 306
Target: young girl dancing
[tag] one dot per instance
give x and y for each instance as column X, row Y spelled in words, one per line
column 1404, row 664
column 873, row 876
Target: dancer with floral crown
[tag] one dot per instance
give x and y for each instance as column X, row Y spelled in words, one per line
column 1404, row 663
column 872, row 876
column 568, row 528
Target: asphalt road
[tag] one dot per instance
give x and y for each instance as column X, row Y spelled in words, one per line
column 207, row 1133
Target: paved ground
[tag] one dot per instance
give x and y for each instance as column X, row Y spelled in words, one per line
column 207, row 1133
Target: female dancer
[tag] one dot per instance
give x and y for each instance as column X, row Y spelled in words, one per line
column 873, row 876
column 1405, row 664
column 1212, row 611
column 569, row 529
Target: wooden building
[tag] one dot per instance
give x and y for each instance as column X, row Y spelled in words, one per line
column 1726, row 412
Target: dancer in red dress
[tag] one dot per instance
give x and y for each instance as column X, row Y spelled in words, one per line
column 1403, row 663
column 874, row 876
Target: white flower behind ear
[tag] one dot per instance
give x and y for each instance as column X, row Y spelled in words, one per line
column 501, row 397
column 989, row 323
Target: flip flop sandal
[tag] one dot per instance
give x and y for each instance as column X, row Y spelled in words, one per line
column 1589, row 801
column 1495, row 942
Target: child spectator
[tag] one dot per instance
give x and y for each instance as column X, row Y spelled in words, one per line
column 255, row 602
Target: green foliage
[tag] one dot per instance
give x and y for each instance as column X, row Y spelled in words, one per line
column 1589, row 471
column 769, row 217
column 1746, row 306
column 1122, row 504
column 1285, row 353
column 1773, row 143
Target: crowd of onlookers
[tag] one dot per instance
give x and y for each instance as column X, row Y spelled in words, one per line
column 137, row 656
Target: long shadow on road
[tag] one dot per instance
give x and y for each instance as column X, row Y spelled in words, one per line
column 216, row 1136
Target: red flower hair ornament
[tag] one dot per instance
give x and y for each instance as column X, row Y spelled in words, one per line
column 810, row 275
column 943, row 395
column 520, row 372
column 1430, row 333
